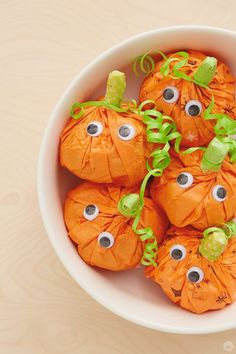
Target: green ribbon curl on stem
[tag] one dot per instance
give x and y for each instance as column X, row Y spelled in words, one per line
column 77, row 106
column 177, row 73
column 224, row 127
column 222, row 145
column 145, row 64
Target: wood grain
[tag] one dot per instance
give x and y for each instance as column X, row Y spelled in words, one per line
column 44, row 44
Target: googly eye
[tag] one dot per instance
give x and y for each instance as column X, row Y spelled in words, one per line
column 126, row 132
column 195, row 275
column 219, row 193
column 170, row 94
column 193, row 108
column 105, row 240
column 178, row 252
column 94, row 128
column 91, row 211
column 184, row 180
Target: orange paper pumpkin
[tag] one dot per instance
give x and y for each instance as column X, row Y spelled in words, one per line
column 105, row 237
column 106, row 145
column 185, row 101
column 193, row 196
column 189, row 279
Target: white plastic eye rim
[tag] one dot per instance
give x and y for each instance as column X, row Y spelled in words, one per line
column 199, row 271
column 130, row 136
column 109, row 236
column 100, row 128
column 93, row 216
column 175, row 97
column 190, row 180
column 195, row 103
column 178, row 247
column 214, row 193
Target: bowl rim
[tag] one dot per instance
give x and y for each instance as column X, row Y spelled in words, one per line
column 219, row 327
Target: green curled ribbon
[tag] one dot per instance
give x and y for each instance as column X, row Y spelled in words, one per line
column 229, row 228
column 224, row 124
column 160, row 129
column 160, row 161
column 224, row 127
column 220, row 146
column 165, row 69
column 215, row 240
column 131, row 104
column 81, row 107
column 202, row 77
column 143, row 64
column 131, row 205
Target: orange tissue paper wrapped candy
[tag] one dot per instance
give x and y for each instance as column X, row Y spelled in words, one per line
column 199, row 189
column 104, row 236
column 182, row 85
column 105, row 142
column 198, row 271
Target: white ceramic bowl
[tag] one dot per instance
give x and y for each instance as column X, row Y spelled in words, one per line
column 128, row 294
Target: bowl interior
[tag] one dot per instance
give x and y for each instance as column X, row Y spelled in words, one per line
column 128, row 293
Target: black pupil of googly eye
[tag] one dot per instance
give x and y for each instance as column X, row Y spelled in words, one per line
column 194, row 276
column 221, row 193
column 105, row 242
column 176, row 254
column 182, row 179
column 168, row 94
column 193, row 110
column 124, row 131
column 90, row 209
column 92, row 128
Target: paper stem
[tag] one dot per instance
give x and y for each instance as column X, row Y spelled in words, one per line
column 116, row 85
column 214, row 155
column 213, row 245
column 129, row 205
column 206, row 71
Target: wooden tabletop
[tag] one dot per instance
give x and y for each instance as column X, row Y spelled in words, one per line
column 43, row 45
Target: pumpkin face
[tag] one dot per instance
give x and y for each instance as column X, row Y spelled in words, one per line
column 105, row 146
column 186, row 101
column 191, row 196
column 105, row 237
column 189, row 279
